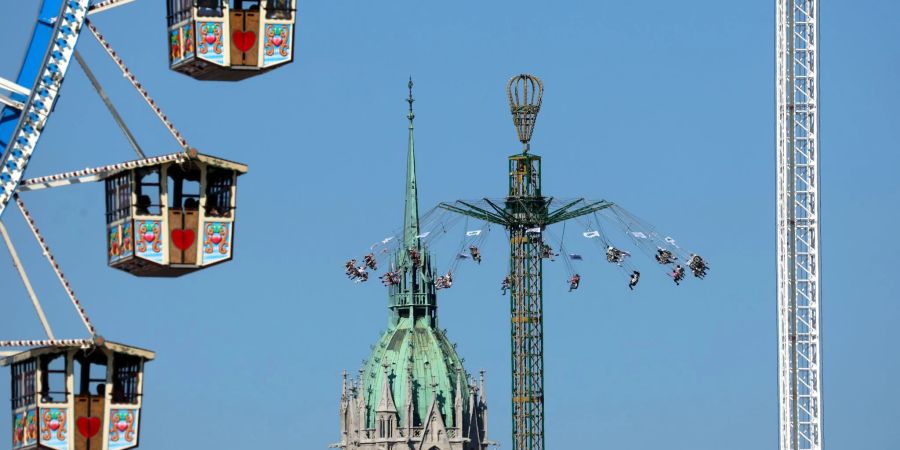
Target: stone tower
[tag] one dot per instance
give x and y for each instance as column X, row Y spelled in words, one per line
column 412, row 392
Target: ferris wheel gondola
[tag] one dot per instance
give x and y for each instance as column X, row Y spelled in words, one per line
column 230, row 40
column 77, row 395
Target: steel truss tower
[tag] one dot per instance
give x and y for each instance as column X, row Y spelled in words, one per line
column 525, row 213
column 799, row 321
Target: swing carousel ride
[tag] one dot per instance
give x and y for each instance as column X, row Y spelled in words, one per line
column 166, row 216
column 536, row 228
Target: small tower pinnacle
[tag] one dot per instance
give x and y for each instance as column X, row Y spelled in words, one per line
column 410, row 100
column 411, row 218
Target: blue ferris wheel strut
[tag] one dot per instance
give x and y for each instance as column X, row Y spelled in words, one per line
column 47, row 59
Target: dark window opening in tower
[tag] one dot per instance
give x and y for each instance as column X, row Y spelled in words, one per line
column 53, row 378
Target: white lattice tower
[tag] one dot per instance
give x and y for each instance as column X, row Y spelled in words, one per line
column 799, row 321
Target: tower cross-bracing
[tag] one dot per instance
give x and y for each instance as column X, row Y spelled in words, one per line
column 799, row 276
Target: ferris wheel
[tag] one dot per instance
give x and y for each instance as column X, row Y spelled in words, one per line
column 166, row 216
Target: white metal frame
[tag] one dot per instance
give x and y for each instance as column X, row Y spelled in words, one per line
column 799, row 319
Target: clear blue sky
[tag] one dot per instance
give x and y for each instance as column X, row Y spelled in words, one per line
column 663, row 107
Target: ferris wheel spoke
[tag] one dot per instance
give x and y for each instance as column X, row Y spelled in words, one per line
column 12, row 88
column 137, row 85
column 26, row 281
column 109, row 105
column 48, row 343
column 107, row 5
column 53, row 264
column 96, row 173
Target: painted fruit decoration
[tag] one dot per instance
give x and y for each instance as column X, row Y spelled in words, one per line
column 148, row 237
column 216, row 238
column 54, row 423
column 277, row 40
column 121, row 426
column 114, row 249
column 210, row 38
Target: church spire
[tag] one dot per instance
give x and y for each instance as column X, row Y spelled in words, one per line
column 411, row 216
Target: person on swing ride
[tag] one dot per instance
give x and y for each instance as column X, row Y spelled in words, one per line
column 415, row 256
column 504, row 285
column 574, row 282
column 390, row 279
column 678, row 274
column 698, row 266
column 361, row 274
column 664, row 256
column 476, row 253
column 444, row 282
column 615, row 255
column 351, row 268
column 547, row 252
column 370, row 261
column 635, row 277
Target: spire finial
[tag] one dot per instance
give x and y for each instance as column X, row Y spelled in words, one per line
column 525, row 93
column 410, row 100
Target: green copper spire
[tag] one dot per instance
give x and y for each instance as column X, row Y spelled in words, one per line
column 411, row 218
column 413, row 366
column 414, row 296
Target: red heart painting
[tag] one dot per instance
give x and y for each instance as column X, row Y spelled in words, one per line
column 243, row 40
column 183, row 239
column 88, row 426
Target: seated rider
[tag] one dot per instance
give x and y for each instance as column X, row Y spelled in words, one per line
column 547, row 252
column 370, row 261
column 143, row 205
column 504, row 285
column 191, row 204
column 212, row 207
column 446, row 280
column 612, row 254
column 678, row 274
column 476, row 254
column 698, row 266
column 278, row 9
column 416, row 258
column 574, row 282
column 635, row 277
column 664, row 256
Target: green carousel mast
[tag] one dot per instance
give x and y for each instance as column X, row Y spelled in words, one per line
column 525, row 213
